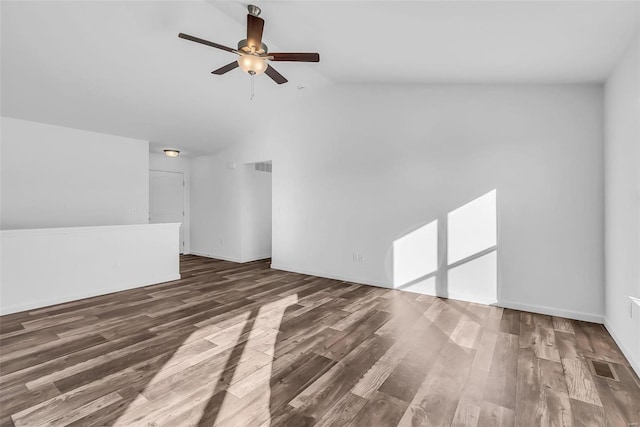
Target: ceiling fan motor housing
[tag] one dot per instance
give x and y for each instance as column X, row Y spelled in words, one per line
column 243, row 46
column 254, row 10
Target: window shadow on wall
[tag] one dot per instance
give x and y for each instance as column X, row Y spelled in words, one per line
column 454, row 256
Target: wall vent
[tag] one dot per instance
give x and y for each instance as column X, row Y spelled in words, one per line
column 263, row 167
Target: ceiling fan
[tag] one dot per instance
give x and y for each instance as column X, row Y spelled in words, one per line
column 253, row 54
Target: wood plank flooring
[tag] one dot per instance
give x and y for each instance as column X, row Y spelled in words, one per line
column 243, row 345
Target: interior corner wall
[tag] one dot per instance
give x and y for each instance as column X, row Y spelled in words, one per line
column 160, row 162
column 357, row 166
column 55, row 176
column 622, row 201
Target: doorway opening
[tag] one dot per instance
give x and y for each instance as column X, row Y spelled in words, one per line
column 166, row 200
column 257, row 211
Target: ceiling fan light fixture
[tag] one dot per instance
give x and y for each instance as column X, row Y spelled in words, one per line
column 252, row 64
column 253, row 53
column 171, row 153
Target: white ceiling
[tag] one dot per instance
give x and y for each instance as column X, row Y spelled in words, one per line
column 119, row 67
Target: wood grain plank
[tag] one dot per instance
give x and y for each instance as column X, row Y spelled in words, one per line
column 343, row 412
column 620, row 401
column 587, row 415
column 436, row 401
column 492, row 415
column 561, row 324
column 579, row 382
column 380, row 410
column 501, row 382
column 536, row 332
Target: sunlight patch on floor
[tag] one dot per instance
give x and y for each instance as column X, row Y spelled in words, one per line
column 183, row 376
column 251, row 379
column 183, row 389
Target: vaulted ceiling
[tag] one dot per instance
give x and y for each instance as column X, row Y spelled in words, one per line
column 119, row 67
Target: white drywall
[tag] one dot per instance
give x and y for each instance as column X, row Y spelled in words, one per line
column 54, row 176
column 161, row 162
column 230, row 210
column 216, row 189
column 360, row 166
column 622, row 201
column 42, row 267
column 256, row 214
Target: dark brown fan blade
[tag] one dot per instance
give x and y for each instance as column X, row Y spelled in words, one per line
column 276, row 76
column 220, row 71
column 208, row 43
column 299, row 57
column 255, row 26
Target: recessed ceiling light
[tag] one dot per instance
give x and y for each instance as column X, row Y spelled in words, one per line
column 171, row 153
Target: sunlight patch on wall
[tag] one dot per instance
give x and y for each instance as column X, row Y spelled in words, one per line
column 475, row 280
column 454, row 259
column 472, row 228
column 415, row 255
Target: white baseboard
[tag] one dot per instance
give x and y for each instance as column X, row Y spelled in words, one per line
column 257, row 258
column 222, row 257
column 227, row 258
column 552, row 311
column 633, row 360
column 43, row 303
column 331, row 276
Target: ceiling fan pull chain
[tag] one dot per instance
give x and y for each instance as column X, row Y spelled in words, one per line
column 252, row 76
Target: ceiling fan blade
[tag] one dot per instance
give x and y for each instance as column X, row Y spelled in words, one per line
column 299, row 57
column 220, row 71
column 206, row 42
column 255, row 26
column 276, row 76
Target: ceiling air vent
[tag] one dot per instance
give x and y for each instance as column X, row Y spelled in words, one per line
column 263, row 167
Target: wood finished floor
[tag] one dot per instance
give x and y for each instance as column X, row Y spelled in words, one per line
column 242, row 345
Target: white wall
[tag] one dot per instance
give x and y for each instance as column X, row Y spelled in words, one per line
column 60, row 177
column 359, row 166
column 161, row 162
column 216, row 188
column 230, row 210
column 256, row 214
column 50, row 266
column 622, row 202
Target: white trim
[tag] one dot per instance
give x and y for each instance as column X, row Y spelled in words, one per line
column 552, row 311
column 331, row 276
column 41, row 304
column 635, row 364
column 227, row 258
column 506, row 304
column 483, row 301
column 257, row 258
column 70, row 230
column 221, row 257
